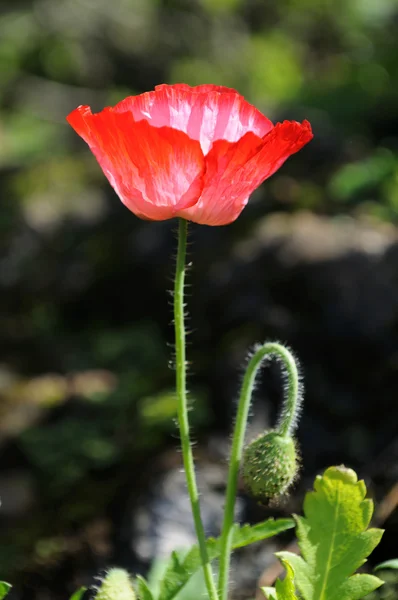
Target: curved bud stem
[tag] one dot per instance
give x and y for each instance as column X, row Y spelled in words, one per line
column 287, row 422
column 183, row 422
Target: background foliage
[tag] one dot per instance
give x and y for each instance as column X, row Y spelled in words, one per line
column 86, row 400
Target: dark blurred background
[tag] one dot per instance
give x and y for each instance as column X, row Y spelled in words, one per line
column 88, row 447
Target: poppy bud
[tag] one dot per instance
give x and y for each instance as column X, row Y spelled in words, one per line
column 116, row 586
column 269, row 466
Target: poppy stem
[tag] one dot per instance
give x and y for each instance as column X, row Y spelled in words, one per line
column 186, row 447
column 286, row 422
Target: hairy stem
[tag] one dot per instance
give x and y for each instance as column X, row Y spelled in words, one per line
column 189, row 467
column 287, row 420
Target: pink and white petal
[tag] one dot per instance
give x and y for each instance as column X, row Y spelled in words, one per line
column 197, row 89
column 153, row 170
column 223, row 183
column 224, row 196
column 206, row 116
column 224, row 117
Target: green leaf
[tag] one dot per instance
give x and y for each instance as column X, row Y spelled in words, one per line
column 156, row 574
column 283, row 590
column 270, row 593
column 4, row 589
column 388, row 564
column 180, row 569
column 78, row 594
column 194, row 588
column 334, row 539
column 144, row 593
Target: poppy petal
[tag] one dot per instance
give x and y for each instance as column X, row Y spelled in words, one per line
column 80, row 120
column 224, row 184
column 282, row 141
column 205, row 116
column 154, row 171
column 197, row 89
column 195, row 152
column 234, row 171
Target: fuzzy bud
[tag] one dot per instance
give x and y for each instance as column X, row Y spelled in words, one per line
column 269, row 466
column 116, row 586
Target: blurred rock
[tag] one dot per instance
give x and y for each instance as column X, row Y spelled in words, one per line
column 306, row 237
column 17, row 493
column 162, row 520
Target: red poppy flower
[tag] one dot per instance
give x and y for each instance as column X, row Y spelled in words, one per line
column 191, row 152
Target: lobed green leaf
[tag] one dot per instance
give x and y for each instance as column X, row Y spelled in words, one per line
column 270, row 593
column 334, row 539
column 144, row 592
column 283, row 590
